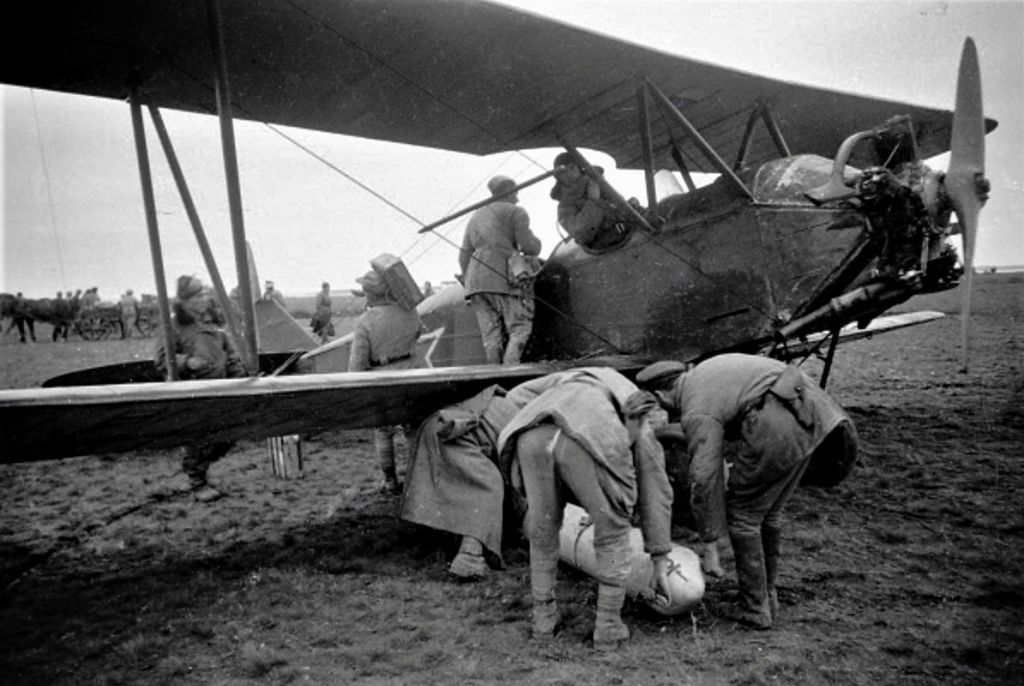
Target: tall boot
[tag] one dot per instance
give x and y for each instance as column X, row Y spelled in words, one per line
column 384, row 445
column 609, row 630
column 543, row 576
column 751, row 608
column 771, row 537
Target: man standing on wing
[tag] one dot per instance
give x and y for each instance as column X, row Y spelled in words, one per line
column 503, row 304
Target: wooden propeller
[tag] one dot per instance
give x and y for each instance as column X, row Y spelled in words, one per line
column 965, row 180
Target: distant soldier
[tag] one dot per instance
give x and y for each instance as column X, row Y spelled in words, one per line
column 129, row 313
column 90, row 300
column 201, row 351
column 61, row 317
column 271, row 293
column 323, row 314
column 20, row 318
column 384, row 338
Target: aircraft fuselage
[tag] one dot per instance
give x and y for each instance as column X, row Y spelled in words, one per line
column 722, row 273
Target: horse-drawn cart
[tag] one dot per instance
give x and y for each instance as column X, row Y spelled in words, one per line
column 104, row 321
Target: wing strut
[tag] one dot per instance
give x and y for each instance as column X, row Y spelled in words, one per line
column 643, row 107
column 764, row 113
column 772, row 124
column 197, row 228
column 227, row 138
column 830, row 355
column 155, row 250
column 723, row 168
column 748, row 135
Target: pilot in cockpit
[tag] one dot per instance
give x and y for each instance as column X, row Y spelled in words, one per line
column 595, row 222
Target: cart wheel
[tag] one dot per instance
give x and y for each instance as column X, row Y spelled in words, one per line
column 146, row 327
column 91, row 328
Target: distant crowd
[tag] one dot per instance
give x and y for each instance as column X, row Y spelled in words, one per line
column 82, row 312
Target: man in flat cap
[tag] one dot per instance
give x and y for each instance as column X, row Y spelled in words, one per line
column 780, row 420
column 201, row 351
column 498, row 235
column 385, row 337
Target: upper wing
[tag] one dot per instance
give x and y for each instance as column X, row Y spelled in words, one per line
column 51, row 423
column 462, row 75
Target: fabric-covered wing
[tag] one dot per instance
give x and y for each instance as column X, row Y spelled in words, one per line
column 462, row 75
column 49, row 423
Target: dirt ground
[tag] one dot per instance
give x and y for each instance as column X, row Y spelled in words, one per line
column 910, row 572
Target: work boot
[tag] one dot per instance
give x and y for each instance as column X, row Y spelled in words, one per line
column 469, row 563
column 543, row 576
column 609, row 629
column 771, row 538
column 751, row 608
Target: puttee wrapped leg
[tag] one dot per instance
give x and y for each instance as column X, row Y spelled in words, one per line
column 543, row 577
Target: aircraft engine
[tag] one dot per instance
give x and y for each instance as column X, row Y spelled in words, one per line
column 576, row 547
column 909, row 206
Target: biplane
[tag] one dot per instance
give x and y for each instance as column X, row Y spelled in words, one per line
column 822, row 217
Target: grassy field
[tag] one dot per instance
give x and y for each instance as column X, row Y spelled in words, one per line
column 908, row 573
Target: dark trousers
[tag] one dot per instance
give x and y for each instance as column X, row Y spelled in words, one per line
column 197, row 459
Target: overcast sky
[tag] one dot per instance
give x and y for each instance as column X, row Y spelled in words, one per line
column 72, row 209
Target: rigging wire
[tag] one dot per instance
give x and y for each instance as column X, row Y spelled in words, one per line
column 49, row 191
column 441, row 236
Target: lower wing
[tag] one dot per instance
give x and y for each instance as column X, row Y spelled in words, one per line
column 49, row 423
column 851, row 332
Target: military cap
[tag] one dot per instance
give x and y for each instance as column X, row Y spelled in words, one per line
column 500, row 185
column 659, row 374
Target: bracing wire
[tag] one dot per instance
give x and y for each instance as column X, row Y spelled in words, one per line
column 49, row 191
